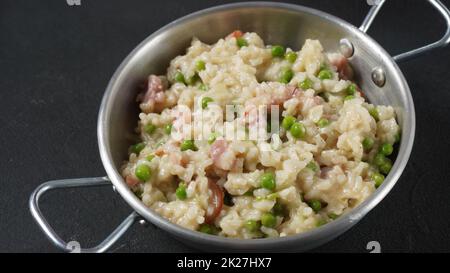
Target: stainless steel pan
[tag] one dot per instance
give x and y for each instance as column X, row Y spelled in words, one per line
column 277, row 23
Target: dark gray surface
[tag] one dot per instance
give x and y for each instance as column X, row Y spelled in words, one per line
column 56, row 60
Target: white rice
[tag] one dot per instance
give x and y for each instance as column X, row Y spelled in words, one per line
column 249, row 76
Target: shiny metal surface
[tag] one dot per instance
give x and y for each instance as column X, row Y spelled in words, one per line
column 377, row 4
column 444, row 41
column 378, row 76
column 346, row 48
column 50, row 232
column 119, row 111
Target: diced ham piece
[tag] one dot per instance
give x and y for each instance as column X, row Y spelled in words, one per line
column 325, row 172
column 318, row 100
column 343, row 67
column 153, row 99
column 131, row 180
column 295, row 92
column 307, row 100
column 160, row 151
column 257, row 120
column 237, row 34
column 215, row 201
column 271, row 99
column 182, row 123
column 290, row 92
column 361, row 93
column 222, row 157
column 217, row 149
column 178, row 159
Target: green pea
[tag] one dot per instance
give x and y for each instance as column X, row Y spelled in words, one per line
column 313, row 166
column 278, row 209
column 188, row 145
column 248, row 193
column 333, row 216
column 277, row 51
column 200, row 65
column 349, row 97
column 368, row 143
column 386, row 149
column 287, row 122
column 268, row 220
column 208, row 229
column 203, row 87
column 351, row 89
column 241, row 42
column 273, row 196
column 291, row 57
column 386, row 166
column 205, row 228
column 316, row 205
column 259, row 198
column 252, row 225
column 398, row 136
column 149, row 128
column 286, row 75
column 325, row 74
column 212, row 137
column 377, row 178
column 323, row 122
column 298, row 130
column 267, row 181
column 181, row 191
column 179, row 77
column 168, row 129
column 150, row 157
column 306, row 84
column 192, row 80
column 379, row 159
column 374, row 113
column 137, row 148
column 205, row 102
column 321, row 222
column 143, row 172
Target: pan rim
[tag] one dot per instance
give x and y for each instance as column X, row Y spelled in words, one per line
column 330, row 230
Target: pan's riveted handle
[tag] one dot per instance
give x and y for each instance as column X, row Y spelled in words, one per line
column 74, row 246
column 445, row 40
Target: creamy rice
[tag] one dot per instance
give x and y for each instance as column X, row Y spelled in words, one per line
column 286, row 180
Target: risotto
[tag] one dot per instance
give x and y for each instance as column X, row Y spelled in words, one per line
column 246, row 140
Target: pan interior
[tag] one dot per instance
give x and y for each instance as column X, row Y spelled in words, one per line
column 276, row 24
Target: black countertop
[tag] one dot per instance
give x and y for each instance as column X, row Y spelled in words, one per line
column 56, row 60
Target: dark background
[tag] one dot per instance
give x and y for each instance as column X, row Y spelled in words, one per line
column 56, row 60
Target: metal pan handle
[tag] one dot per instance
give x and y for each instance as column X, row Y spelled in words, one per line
column 50, row 232
column 445, row 40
